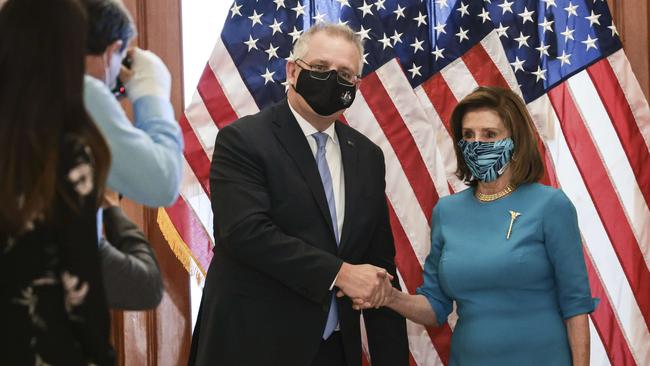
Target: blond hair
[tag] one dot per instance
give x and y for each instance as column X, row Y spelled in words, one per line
column 343, row 31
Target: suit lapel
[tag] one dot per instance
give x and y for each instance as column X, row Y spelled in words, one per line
column 349, row 157
column 292, row 138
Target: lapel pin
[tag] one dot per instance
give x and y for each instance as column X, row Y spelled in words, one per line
column 513, row 217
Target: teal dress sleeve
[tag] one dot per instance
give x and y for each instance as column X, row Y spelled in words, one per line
column 440, row 302
column 564, row 249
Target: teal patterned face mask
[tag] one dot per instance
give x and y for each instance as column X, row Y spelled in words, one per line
column 487, row 160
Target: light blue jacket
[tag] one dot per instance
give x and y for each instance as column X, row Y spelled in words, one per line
column 146, row 157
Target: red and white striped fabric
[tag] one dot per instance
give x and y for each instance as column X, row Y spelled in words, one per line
column 594, row 132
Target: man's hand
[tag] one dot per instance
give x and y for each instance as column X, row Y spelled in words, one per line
column 364, row 282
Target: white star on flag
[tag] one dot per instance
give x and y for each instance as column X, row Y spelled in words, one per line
column 518, row 65
column 399, row 12
column 251, row 43
column 522, row 40
column 415, row 71
column 235, row 10
column 276, row 26
column 593, row 19
column 564, row 58
column 421, row 19
column 568, row 33
column 590, row 42
column 256, row 18
column 485, row 16
column 397, row 38
column 540, row 73
column 366, row 9
column 417, row 45
column 272, row 51
column 549, row 3
column 279, row 4
column 268, row 76
column 295, row 34
column 363, row 33
column 385, row 41
column 299, row 9
column 501, row 31
column 463, row 9
column 462, row 34
column 546, row 25
column 506, row 6
column 527, row 15
column 438, row 52
column 543, row 49
column 571, row 10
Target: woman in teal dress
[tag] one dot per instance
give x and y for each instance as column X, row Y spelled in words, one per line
column 507, row 250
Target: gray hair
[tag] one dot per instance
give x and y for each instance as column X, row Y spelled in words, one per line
column 301, row 47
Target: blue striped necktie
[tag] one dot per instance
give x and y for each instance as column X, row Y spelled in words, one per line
column 326, row 177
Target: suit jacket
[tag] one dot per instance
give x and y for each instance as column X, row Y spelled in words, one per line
column 130, row 270
column 266, row 295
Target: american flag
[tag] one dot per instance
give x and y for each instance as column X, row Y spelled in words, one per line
column 563, row 57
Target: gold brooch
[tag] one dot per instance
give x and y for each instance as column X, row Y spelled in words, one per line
column 513, row 217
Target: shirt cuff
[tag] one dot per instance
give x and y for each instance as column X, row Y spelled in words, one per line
column 333, row 282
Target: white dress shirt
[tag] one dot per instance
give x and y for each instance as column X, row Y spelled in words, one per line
column 333, row 157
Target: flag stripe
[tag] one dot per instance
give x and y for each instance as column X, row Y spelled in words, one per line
column 233, row 87
column 482, row 68
column 415, row 119
column 443, row 142
column 633, row 93
column 611, row 274
column 196, row 198
column 606, row 204
column 201, row 123
column 613, row 156
column 191, row 231
column 214, row 98
column 620, row 113
column 195, row 155
column 401, row 140
column 604, row 320
column 441, row 97
column 460, row 80
column 399, row 192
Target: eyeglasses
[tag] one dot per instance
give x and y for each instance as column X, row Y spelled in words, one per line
column 322, row 72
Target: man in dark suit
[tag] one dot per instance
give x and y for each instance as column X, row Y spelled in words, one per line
column 299, row 216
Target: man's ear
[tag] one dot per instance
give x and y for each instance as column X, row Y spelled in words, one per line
column 291, row 70
column 113, row 48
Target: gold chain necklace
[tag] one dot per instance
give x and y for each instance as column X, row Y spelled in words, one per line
column 494, row 196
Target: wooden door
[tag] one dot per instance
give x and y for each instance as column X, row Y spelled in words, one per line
column 160, row 336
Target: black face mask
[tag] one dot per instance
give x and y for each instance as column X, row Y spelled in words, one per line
column 324, row 96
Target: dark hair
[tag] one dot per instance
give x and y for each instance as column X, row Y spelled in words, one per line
column 526, row 164
column 108, row 21
column 42, row 46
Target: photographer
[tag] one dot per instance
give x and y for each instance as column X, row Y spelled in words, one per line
column 147, row 154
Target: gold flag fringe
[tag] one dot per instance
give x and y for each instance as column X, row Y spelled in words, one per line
column 179, row 247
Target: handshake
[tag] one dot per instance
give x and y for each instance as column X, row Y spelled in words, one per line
column 368, row 286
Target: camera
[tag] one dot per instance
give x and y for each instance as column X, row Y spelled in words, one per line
column 120, row 90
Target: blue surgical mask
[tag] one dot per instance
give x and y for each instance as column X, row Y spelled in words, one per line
column 487, row 160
